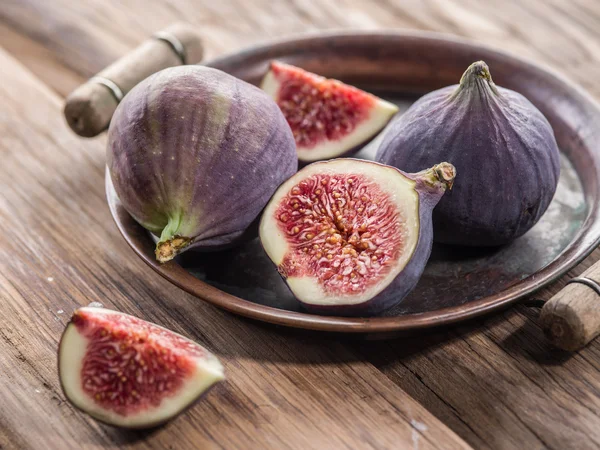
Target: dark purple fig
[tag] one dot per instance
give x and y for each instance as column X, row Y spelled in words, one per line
column 194, row 155
column 127, row 372
column 502, row 146
column 328, row 118
column 352, row 237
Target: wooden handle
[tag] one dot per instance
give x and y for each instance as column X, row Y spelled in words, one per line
column 89, row 108
column 571, row 318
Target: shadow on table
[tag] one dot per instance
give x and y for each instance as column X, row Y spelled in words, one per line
column 272, row 343
column 528, row 341
column 123, row 437
column 266, row 342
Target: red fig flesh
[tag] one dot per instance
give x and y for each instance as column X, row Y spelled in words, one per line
column 127, row 372
column 351, row 236
column 328, row 118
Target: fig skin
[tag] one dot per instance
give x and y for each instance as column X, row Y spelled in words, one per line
column 194, row 155
column 502, row 146
column 430, row 186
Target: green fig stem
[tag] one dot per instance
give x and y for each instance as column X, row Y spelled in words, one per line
column 171, row 243
column 476, row 73
column 439, row 176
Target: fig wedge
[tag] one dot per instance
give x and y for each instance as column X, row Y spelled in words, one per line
column 130, row 373
column 328, row 118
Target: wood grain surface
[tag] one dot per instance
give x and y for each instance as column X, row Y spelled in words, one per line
column 60, row 251
column 494, row 382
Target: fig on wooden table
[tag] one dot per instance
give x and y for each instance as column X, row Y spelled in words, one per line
column 502, row 146
column 194, row 155
column 328, row 118
column 352, row 237
column 130, row 373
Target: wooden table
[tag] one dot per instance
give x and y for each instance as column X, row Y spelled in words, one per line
column 493, row 383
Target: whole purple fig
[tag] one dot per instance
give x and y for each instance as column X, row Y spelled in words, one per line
column 194, row 155
column 352, row 237
column 502, row 146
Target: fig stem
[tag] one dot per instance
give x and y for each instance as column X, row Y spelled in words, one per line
column 439, row 176
column 171, row 243
column 474, row 74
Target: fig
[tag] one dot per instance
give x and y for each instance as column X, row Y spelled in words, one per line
column 502, row 145
column 328, row 118
column 352, row 237
column 194, row 155
column 130, row 373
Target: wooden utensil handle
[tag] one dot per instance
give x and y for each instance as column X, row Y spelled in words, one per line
column 89, row 108
column 571, row 318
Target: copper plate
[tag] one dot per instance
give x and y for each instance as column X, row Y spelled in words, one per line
column 458, row 283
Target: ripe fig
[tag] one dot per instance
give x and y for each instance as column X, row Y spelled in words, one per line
column 502, row 145
column 194, row 155
column 328, row 118
column 352, row 237
column 130, row 373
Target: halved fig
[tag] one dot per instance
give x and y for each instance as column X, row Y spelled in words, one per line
column 328, row 118
column 127, row 372
column 352, row 237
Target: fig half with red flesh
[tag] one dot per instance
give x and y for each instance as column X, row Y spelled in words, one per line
column 352, row 237
column 127, row 372
column 328, row 118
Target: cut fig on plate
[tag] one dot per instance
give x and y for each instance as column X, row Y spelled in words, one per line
column 127, row 372
column 352, row 237
column 328, row 118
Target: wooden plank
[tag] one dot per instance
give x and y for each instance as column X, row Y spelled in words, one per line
column 496, row 382
column 86, row 36
column 59, row 250
column 40, row 60
column 499, row 383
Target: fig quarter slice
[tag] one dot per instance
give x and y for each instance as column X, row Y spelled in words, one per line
column 350, row 236
column 130, row 373
column 328, row 118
